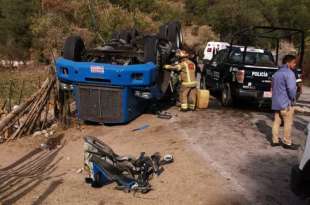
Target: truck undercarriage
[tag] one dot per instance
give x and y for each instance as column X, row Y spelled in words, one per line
column 113, row 83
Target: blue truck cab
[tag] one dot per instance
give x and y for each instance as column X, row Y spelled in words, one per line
column 116, row 81
column 109, row 93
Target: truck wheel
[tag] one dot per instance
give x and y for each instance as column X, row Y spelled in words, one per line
column 163, row 32
column 163, row 81
column 175, row 34
column 74, row 48
column 226, row 97
column 165, row 50
column 151, row 50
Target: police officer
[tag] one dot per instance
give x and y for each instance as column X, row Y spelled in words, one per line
column 188, row 89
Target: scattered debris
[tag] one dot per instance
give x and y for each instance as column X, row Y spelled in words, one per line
column 15, row 107
column 164, row 115
column 54, row 126
column 79, row 171
column 141, row 128
column 104, row 166
column 37, row 133
column 44, row 146
column 168, row 158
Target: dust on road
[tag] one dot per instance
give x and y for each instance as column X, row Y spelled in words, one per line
column 222, row 156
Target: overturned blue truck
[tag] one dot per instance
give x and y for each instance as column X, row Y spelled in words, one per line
column 115, row 82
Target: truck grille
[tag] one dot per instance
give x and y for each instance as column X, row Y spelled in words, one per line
column 99, row 104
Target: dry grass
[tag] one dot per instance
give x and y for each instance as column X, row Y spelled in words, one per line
column 28, row 80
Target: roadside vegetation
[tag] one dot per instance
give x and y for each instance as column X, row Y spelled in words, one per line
column 18, row 85
column 35, row 29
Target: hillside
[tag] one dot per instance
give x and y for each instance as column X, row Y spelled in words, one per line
column 32, row 29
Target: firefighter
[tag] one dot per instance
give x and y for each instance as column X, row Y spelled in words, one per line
column 188, row 89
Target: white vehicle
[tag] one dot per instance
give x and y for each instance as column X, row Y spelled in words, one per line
column 300, row 175
column 213, row 48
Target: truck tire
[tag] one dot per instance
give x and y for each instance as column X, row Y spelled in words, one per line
column 226, row 97
column 151, row 54
column 163, row 32
column 175, row 35
column 166, row 52
column 163, row 80
column 74, row 48
column 151, row 50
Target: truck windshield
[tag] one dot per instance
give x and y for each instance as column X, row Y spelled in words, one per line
column 253, row 58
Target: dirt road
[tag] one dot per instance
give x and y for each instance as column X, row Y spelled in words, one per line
column 222, row 156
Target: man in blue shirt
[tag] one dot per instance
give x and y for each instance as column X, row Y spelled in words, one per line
column 283, row 97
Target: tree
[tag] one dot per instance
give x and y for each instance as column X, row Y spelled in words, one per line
column 15, row 33
column 198, row 9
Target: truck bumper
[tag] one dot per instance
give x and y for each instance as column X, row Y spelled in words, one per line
column 251, row 94
column 248, row 93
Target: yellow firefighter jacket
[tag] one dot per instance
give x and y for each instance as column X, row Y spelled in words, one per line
column 187, row 71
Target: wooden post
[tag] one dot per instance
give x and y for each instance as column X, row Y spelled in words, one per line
column 39, row 83
column 21, row 92
column 4, row 104
column 10, row 96
column 4, row 122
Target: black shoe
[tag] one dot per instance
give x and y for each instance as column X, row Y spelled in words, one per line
column 273, row 144
column 183, row 110
column 291, row 147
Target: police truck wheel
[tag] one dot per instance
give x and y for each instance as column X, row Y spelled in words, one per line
column 74, row 48
column 226, row 97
